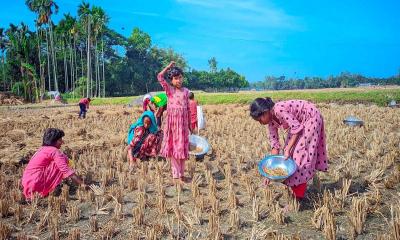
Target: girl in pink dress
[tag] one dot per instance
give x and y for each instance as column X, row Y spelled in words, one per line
column 305, row 142
column 48, row 167
column 175, row 144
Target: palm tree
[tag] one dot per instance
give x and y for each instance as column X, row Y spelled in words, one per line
column 67, row 30
column 100, row 19
column 21, row 45
column 44, row 9
column 3, row 43
column 85, row 13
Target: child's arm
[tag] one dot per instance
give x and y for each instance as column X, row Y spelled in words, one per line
column 189, row 117
column 152, row 107
column 161, row 80
column 289, row 146
column 131, row 158
column 77, row 180
column 274, row 139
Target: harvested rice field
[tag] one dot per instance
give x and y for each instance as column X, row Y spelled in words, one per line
column 358, row 198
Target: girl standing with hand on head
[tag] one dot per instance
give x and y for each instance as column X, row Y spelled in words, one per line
column 175, row 145
column 305, row 142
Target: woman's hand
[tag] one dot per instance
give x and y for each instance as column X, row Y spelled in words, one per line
column 287, row 152
column 171, row 64
column 85, row 186
column 274, row 151
column 266, row 182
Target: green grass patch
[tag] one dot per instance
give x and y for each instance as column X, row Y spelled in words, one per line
column 106, row 101
column 380, row 97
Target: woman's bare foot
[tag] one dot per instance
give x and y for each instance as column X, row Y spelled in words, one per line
column 132, row 166
column 265, row 183
column 186, row 180
column 175, row 182
column 286, row 209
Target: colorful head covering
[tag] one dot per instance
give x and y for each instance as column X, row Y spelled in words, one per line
column 139, row 123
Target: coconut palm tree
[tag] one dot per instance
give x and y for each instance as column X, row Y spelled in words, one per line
column 66, row 29
column 3, row 43
column 85, row 15
column 44, row 9
column 100, row 20
column 21, row 44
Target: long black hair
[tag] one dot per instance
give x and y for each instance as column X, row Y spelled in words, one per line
column 260, row 105
column 174, row 71
column 51, row 135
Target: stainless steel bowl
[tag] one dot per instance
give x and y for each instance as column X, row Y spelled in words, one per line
column 353, row 121
column 277, row 161
column 201, row 142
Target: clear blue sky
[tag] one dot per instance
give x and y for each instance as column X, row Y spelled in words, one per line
column 259, row 37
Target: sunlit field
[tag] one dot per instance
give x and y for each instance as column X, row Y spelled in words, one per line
column 357, row 198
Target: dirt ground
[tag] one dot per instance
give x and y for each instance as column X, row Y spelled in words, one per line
column 358, row 198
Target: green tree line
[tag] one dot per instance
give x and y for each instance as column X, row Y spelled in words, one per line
column 82, row 56
column 343, row 80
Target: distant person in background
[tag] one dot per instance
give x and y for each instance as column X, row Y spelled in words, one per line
column 158, row 102
column 48, row 167
column 84, row 106
column 193, row 111
column 305, row 142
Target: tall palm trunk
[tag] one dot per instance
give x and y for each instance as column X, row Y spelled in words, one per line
column 40, row 61
column 4, row 72
column 53, row 54
column 96, row 66
column 102, row 58
column 66, row 87
column 81, row 62
column 98, row 73
column 75, row 63
column 48, row 60
column 88, row 80
column 71, row 66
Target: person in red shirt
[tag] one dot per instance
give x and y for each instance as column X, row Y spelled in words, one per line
column 83, row 105
column 193, row 111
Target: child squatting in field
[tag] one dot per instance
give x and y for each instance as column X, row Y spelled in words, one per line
column 143, row 138
column 48, row 167
column 305, row 142
column 175, row 144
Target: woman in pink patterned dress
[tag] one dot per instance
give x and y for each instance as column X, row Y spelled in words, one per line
column 48, row 167
column 305, row 142
column 175, row 144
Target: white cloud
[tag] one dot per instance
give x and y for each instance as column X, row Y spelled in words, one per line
column 246, row 13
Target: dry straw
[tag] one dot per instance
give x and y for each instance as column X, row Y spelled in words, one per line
column 234, row 219
column 93, row 224
column 5, row 231
column 74, row 234
column 357, row 216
